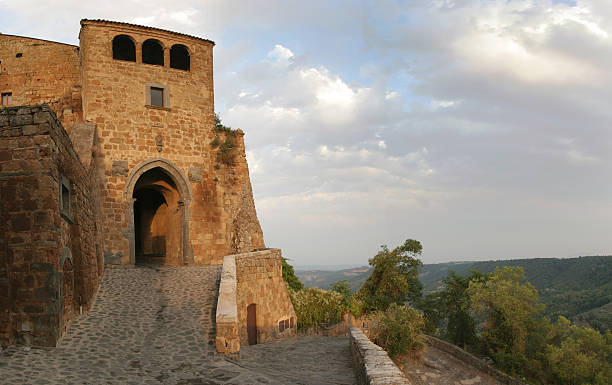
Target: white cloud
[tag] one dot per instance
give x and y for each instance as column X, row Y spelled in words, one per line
column 280, row 53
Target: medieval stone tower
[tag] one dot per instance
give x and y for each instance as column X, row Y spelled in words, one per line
column 165, row 190
column 139, row 171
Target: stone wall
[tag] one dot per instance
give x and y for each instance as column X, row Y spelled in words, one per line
column 219, row 215
column 259, row 278
column 38, row 71
column 471, row 360
column 49, row 262
column 227, row 339
column 371, row 363
column 253, row 279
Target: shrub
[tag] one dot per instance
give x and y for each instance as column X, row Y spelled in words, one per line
column 356, row 306
column 397, row 330
column 317, row 307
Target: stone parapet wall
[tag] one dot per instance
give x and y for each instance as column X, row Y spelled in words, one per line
column 470, row 360
column 227, row 340
column 254, row 278
column 49, row 262
column 371, row 363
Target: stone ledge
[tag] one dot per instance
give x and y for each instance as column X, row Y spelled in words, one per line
column 227, row 340
column 371, row 363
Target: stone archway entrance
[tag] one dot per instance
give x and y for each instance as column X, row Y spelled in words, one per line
column 159, row 214
column 158, row 211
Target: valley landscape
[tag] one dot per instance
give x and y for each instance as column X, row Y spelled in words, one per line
column 579, row 289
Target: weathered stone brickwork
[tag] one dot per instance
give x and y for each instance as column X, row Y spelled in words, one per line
column 259, row 281
column 216, row 221
column 253, row 282
column 49, row 262
column 37, row 71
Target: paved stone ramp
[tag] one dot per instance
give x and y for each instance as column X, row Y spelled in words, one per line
column 437, row 367
column 155, row 325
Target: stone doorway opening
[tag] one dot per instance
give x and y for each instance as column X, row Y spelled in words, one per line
column 252, row 324
column 158, row 219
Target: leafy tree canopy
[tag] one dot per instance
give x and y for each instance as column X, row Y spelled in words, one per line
column 343, row 288
column 509, row 307
column 394, row 277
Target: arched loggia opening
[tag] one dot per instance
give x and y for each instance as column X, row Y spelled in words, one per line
column 159, row 214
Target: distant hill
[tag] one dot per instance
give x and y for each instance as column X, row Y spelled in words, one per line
column 577, row 288
column 325, row 278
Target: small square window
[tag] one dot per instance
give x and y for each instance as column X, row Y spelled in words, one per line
column 157, row 96
column 6, row 98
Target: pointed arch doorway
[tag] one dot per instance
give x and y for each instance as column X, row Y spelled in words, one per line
column 159, row 214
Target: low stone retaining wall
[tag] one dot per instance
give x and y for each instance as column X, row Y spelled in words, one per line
column 227, row 340
column 470, row 360
column 371, row 363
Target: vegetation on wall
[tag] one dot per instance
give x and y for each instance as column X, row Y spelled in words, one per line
column 293, row 282
column 224, row 142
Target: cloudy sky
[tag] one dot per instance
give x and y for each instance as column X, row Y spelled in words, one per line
column 482, row 128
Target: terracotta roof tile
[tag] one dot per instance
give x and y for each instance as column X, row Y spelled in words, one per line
column 102, row 21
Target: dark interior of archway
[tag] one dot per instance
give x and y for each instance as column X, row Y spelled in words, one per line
column 179, row 57
column 152, row 52
column 123, row 48
column 149, row 204
column 155, row 232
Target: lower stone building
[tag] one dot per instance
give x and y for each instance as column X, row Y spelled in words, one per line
column 50, row 254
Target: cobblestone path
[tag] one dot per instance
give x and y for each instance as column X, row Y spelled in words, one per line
column 155, row 325
column 440, row 368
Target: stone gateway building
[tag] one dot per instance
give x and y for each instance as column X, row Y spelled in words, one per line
column 111, row 155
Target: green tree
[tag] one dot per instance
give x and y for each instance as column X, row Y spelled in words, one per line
column 460, row 326
column 394, row 277
column 509, row 308
column 293, row 282
column 579, row 355
column 343, row 287
column 451, row 308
